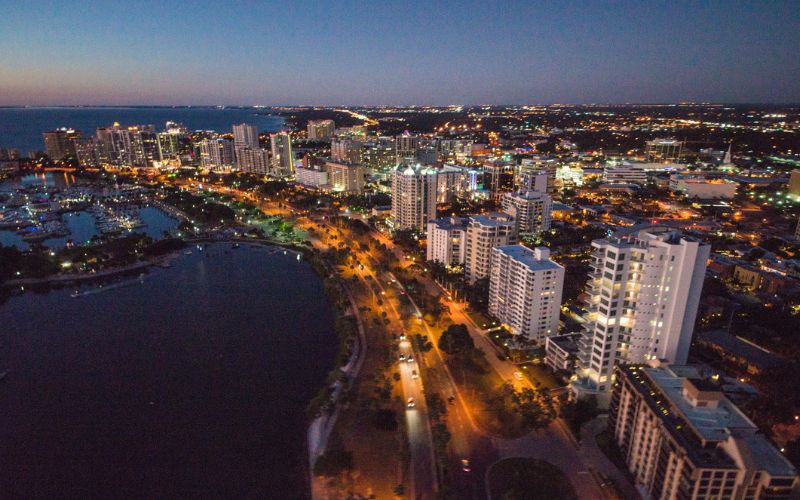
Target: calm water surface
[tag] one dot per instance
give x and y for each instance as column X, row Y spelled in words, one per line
column 190, row 382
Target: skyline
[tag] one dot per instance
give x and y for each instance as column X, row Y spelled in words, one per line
column 362, row 54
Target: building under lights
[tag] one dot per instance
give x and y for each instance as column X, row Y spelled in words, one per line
column 530, row 209
column 320, row 130
column 446, row 241
column 664, row 150
column 644, row 290
column 282, row 159
column 681, row 437
column 413, row 197
column 485, row 232
column 525, row 288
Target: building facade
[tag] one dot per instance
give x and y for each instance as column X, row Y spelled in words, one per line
column 253, row 161
column 446, row 241
column 413, row 197
column 682, row 438
column 624, row 173
column 345, row 178
column 217, row 155
column 485, row 232
column 525, row 289
column 245, row 136
column 282, row 158
column 320, row 130
column 529, row 170
column 532, row 210
column 643, row 293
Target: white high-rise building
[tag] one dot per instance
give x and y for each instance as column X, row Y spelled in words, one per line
column 245, row 136
column 413, row 197
column 530, row 168
column 282, row 159
column 253, row 161
column 217, row 154
column 525, row 289
column 346, row 151
column 320, row 130
column 530, row 209
column 643, row 296
column 446, row 240
column 344, row 178
column 485, row 232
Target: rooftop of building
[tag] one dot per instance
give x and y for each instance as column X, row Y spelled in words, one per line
column 450, row 222
column 755, row 355
column 630, row 235
column 535, row 260
column 411, row 170
column 492, row 219
column 527, row 195
column 567, row 342
column 700, row 428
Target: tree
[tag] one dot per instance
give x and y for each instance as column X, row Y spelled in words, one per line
column 456, row 340
column 577, row 413
column 333, row 462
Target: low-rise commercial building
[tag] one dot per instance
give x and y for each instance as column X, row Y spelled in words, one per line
column 693, row 186
column 561, row 351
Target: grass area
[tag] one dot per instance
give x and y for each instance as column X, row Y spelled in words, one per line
column 479, row 383
column 541, row 374
column 372, row 426
column 528, row 479
column 480, row 319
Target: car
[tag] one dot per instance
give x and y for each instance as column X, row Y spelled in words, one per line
column 410, row 359
column 402, row 337
column 402, row 357
column 414, row 374
column 518, row 375
column 410, row 403
column 465, row 465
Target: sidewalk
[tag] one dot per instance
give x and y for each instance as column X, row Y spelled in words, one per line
column 600, row 462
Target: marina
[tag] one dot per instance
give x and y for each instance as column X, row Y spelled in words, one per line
column 57, row 211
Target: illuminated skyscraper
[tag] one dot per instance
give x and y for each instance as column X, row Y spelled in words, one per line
column 643, row 292
column 282, row 160
column 245, row 136
column 320, row 130
column 413, row 197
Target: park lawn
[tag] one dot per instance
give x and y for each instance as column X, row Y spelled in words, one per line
column 478, row 382
column 378, row 454
column 539, row 373
column 529, row 479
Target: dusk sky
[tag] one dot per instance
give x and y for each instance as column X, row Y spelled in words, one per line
column 350, row 53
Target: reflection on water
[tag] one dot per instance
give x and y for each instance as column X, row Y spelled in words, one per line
column 82, row 227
